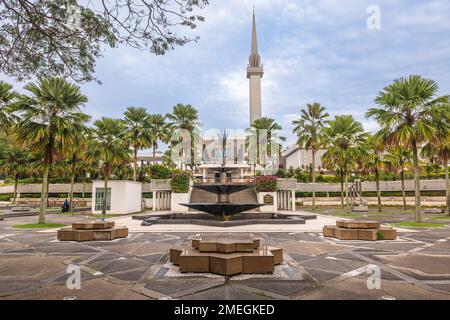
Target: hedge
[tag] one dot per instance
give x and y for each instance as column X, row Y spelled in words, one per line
column 180, row 183
column 266, row 184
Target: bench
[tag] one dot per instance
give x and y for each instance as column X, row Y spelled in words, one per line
column 20, row 209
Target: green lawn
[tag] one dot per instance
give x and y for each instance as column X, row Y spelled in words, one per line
column 411, row 224
column 441, row 218
column 39, row 225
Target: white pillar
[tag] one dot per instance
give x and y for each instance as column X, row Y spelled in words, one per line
column 154, row 200
column 293, row 200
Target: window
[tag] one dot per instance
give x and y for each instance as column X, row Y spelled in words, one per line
column 100, row 196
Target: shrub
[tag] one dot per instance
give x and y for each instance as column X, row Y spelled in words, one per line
column 266, row 184
column 180, row 183
column 158, row 171
column 6, row 196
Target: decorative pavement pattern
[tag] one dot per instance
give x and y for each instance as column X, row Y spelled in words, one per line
column 33, row 266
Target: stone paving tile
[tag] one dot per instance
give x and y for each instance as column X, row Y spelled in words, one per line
column 110, row 266
column 153, row 258
column 228, row 292
column 131, row 276
column 30, row 266
column 282, row 288
column 90, row 290
column 310, row 248
column 341, row 266
column 300, row 257
column 428, row 264
column 322, row 275
column 8, row 289
column 172, row 285
column 356, row 289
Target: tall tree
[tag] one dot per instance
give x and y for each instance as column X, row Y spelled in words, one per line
column 14, row 161
column 272, row 128
column 47, row 121
column 7, row 97
column 411, row 114
column 76, row 152
column 138, row 132
column 399, row 158
column 109, row 146
column 65, row 37
column 372, row 160
column 185, row 117
column 308, row 129
column 440, row 148
column 345, row 141
column 159, row 131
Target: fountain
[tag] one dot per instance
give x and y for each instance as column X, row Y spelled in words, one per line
column 223, row 212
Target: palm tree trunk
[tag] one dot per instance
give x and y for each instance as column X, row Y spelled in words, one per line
column 342, row 187
column 134, row 164
column 447, row 185
column 346, row 190
column 313, row 175
column 83, row 192
column 154, row 153
column 377, row 177
column 402, row 176
column 104, row 197
column 72, row 181
column 416, row 181
column 44, row 190
column 16, row 178
column 47, row 200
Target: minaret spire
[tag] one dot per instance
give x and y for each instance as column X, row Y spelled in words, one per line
column 254, row 73
column 254, row 59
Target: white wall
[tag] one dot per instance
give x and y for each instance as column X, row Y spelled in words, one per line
column 126, row 196
column 269, row 207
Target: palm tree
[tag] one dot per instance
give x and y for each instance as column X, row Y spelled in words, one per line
column 159, row 131
column 345, row 141
column 308, row 129
column 14, row 161
column 272, row 127
column 372, row 160
column 7, row 97
column 411, row 114
column 399, row 158
column 441, row 150
column 47, row 121
column 137, row 127
column 109, row 146
column 186, row 117
column 76, row 152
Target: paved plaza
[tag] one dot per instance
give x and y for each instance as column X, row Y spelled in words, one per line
column 33, row 265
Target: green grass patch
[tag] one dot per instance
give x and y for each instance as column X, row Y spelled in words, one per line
column 39, row 225
column 441, row 218
column 411, row 224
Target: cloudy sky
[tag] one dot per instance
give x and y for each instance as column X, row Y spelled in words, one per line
column 312, row 50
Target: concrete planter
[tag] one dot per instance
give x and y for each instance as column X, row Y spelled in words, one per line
column 267, row 197
column 176, row 199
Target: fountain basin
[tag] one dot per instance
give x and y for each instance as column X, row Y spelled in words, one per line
column 222, row 209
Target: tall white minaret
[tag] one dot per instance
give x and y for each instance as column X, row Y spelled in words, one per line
column 255, row 73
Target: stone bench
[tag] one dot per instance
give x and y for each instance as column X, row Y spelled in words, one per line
column 359, row 230
column 257, row 260
column 92, row 231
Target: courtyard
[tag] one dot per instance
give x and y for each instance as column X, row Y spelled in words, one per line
column 33, row 264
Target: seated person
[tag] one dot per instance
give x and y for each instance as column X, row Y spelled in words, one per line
column 65, row 206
